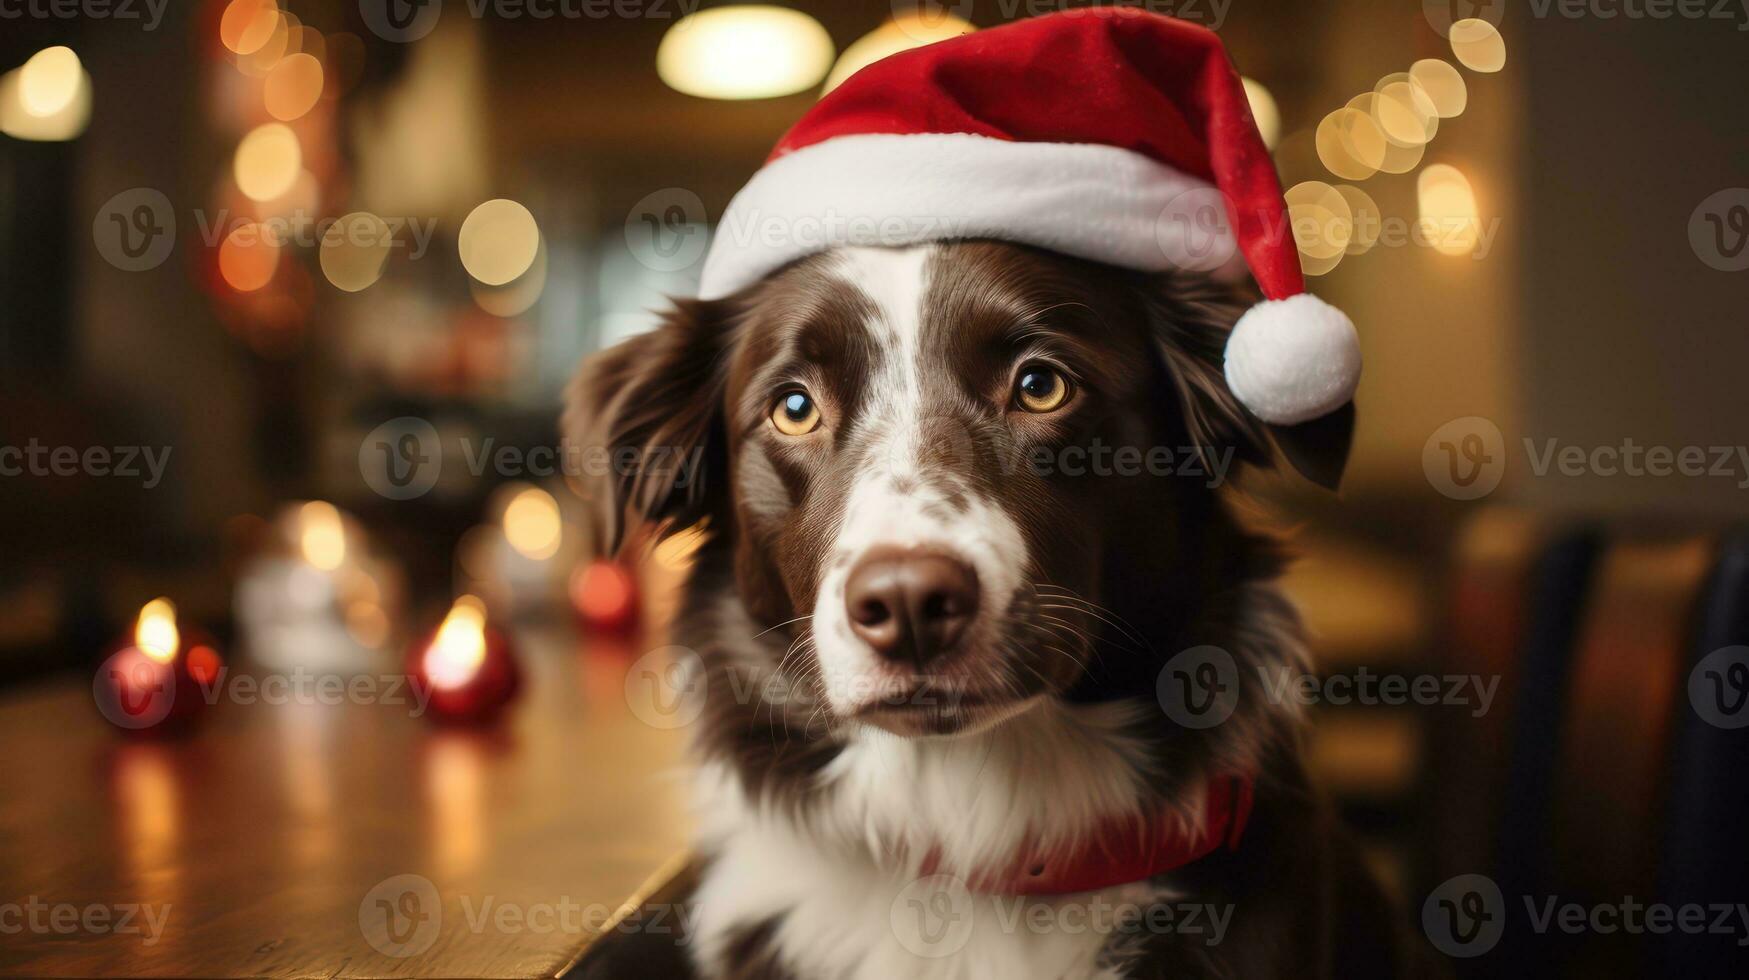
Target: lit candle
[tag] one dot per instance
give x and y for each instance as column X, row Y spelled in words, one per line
column 465, row 666
column 157, row 678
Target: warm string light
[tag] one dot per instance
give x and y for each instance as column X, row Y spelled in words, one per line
column 1388, row 130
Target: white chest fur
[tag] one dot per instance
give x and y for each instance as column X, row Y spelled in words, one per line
column 841, row 883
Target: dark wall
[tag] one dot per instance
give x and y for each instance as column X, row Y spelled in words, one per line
column 1630, row 125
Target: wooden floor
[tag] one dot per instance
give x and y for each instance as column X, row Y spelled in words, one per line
column 351, row 840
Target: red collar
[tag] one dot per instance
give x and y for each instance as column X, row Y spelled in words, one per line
column 1120, row 852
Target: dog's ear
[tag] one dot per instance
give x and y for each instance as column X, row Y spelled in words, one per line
column 1192, row 316
column 644, row 419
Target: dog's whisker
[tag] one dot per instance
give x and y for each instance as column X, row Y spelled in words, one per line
column 1102, row 611
column 1122, row 628
column 782, row 625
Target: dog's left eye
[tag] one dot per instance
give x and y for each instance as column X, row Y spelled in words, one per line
column 795, row 414
column 1040, row 389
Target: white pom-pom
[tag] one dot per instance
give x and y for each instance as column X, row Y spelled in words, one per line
column 1293, row 360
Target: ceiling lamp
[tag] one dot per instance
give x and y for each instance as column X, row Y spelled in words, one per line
column 744, row 51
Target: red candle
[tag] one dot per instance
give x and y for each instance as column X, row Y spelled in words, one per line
column 465, row 667
column 157, row 679
column 605, row 596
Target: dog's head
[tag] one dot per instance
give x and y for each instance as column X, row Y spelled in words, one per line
column 938, row 467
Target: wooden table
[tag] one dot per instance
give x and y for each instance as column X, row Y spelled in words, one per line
column 352, row 840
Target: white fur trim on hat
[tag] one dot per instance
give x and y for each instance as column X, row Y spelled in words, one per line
column 1293, row 360
column 1082, row 199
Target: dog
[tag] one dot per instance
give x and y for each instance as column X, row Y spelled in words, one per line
column 931, row 633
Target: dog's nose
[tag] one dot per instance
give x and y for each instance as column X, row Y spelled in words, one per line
column 910, row 604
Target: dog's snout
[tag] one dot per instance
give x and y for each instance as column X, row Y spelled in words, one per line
column 910, row 604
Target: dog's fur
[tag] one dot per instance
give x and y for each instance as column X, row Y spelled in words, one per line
column 829, row 780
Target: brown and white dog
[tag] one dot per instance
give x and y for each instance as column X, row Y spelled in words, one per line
column 932, row 627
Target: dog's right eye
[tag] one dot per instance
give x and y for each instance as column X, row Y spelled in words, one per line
column 795, row 414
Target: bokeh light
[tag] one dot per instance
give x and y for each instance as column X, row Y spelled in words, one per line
column 1322, row 225
column 322, row 535
column 246, row 25
column 498, row 241
column 911, row 29
column 1448, row 209
column 49, row 82
column 1404, row 113
column 248, row 257
column 293, row 86
column 518, row 296
column 1443, row 84
column 278, row 44
column 1263, row 110
column 1349, row 144
column 532, row 525
column 744, row 51
column 65, row 123
column 355, row 250
column 1365, row 219
column 1395, row 158
column 1477, row 45
column 268, row 162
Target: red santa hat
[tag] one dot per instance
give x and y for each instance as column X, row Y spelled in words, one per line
column 1103, row 133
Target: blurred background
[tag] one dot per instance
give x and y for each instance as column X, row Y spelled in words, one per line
column 289, row 292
